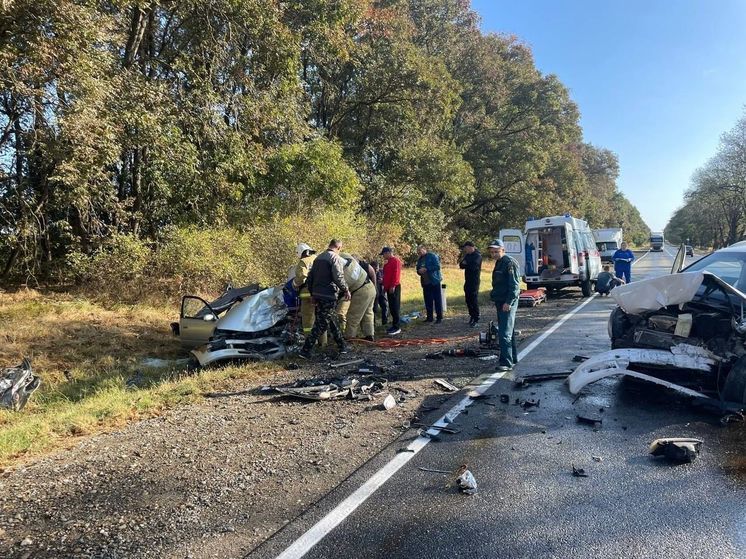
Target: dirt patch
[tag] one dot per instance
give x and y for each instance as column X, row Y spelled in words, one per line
column 217, row 478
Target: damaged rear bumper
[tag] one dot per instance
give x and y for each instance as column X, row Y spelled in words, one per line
column 616, row 362
column 258, row 349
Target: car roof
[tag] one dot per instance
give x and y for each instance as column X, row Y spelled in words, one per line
column 735, row 247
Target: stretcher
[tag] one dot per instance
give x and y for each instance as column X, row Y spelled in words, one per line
column 532, row 297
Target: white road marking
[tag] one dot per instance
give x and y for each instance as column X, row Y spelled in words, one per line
column 338, row 514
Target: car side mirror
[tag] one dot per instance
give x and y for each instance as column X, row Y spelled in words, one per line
column 209, row 317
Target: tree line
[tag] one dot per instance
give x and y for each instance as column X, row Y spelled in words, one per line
column 714, row 209
column 121, row 118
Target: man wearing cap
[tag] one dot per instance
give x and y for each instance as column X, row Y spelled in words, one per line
column 306, row 256
column 505, row 291
column 392, row 287
column 471, row 263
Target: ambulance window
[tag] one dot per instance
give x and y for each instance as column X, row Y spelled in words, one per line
column 512, row 244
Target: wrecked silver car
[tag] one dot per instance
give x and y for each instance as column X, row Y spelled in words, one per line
column 243, row 323
column 686, row 331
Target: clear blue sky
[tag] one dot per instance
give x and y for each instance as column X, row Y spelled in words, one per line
column 656, row 81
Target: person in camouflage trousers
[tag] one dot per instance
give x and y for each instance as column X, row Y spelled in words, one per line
column 327, row 285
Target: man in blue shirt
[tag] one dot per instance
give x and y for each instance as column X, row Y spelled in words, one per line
column 623, row 258
column 428, row 268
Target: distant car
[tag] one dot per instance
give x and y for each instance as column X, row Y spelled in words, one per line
column 686, row 330
column 689, row 250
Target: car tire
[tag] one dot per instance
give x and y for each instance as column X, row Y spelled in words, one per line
column 586, row 287
column 734, row 389
column 619, row 328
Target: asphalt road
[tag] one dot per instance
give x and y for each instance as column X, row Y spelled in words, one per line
column 529, row 504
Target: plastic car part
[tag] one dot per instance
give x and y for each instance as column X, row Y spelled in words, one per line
column 617, row 361
column 259, row 349
column 16, row 385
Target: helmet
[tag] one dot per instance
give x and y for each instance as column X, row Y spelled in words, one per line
column 303, row 247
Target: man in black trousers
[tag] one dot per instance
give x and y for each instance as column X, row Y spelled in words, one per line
column 471, row 263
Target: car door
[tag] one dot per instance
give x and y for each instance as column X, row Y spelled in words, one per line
column 678, row 261
column 514, row 242
column 196, row 322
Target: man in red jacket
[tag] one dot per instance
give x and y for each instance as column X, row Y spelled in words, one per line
column 392, row 288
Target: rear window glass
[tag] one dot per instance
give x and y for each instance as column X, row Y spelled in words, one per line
column 610, row 245
column 512, row 244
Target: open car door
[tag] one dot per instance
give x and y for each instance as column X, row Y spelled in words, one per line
column 678, row 261
column 514, row 242
column 196, row 322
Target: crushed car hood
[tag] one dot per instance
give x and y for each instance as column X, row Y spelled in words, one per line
column 656, row 293
column 255, row 313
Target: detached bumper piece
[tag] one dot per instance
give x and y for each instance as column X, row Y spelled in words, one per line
column 257, row 349
column 616, row 362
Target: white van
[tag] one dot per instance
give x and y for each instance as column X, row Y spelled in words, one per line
column 555, row 252
column 608, row 241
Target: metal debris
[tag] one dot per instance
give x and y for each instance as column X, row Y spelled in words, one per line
column 466, row 482
column 595, row 421
column 336, row 388
column 345, row 363
column 16, row 385
column 389, row 403
column 446, row 385
column 682, row 450
column 580, row 358
column 522, row 381
column 578, row 472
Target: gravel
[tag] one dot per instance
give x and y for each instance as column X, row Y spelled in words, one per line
column 216, row 479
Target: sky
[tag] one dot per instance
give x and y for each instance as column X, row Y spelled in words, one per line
column 657, row 82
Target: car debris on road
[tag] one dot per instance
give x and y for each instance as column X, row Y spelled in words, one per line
column 337, row 388
column 682, row 450
column 690, row 322
column 17, row 384
column 445, row 385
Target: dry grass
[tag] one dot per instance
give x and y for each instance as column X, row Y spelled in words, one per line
column 84, row 352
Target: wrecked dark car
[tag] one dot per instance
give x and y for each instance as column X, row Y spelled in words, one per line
column 245, row 323
column 686, row 331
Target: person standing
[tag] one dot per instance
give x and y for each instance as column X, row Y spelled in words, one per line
column 623, row 258
column 471, row 263
column 428, row 268
column 358, row 314
column 381, row 301
column 506, row 287
column 306, row 256
column 327, row 285
column 392, row 288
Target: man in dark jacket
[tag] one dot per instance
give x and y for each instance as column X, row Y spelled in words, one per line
column 327, row 285
column 428, row 268
column 506, row 287
column 471, row 263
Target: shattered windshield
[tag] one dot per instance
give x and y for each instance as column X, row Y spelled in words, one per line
column 728, row 266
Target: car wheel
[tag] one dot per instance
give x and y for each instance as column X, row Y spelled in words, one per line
column 619, row 328
column 734, row 389
column 585, row 286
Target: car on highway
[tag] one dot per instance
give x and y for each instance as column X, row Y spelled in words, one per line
column 689, row 250
column 686, row 330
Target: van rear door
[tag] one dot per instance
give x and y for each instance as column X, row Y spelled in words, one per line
column 514, row 246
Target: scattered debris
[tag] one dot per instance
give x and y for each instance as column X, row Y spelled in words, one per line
column 16, row 385
column 466, row 481
column 351, row 388
column 736, row 417
column 504, row 398
column 580, row 358
column 597, row 459
column 530, row 403
column 136, row 381
column 436, row 355
column 578, row 472
column 292, row 366
column 388, row 403
column 681, row 450
column 401, row 450
column 345, row 363
column 433, row 470
column 474, row 395
column 522, row 381
column 446, row 385
column 489, row 357
column 595, row 421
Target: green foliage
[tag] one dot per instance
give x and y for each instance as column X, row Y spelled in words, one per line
column 167, row 131
column 714, row 210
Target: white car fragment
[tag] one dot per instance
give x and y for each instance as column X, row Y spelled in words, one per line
column 617, row 361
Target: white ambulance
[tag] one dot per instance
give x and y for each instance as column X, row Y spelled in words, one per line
column 555, row 252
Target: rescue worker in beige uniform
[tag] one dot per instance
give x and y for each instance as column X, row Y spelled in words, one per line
column 306, row 257
column 357, row 313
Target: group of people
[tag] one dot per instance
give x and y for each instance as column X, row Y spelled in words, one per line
column 340, row 292
column 608, row 280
